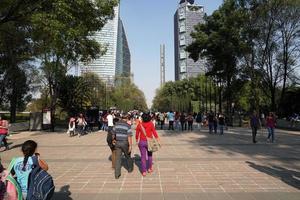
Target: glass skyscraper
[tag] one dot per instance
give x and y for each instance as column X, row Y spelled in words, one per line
column 186, row 17
column 116, row 60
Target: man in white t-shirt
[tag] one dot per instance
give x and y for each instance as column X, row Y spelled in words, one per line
column 110, row 120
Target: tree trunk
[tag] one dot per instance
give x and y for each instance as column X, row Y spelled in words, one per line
column 206, row 94
column 210, row 97
column 216, row 98
column 13, row 109
column 52, row 95
column 273, row 100
column 285, row 67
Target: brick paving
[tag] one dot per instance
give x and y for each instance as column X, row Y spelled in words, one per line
column 190, row 165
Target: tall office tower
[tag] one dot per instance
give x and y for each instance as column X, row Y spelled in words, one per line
column 116, row 60
column 162, row 65
column 186, row 17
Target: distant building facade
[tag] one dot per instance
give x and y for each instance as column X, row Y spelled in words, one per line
column 116, row 62
column 186, row 17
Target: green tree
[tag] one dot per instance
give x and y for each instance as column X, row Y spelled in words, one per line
column 126, row 96
column 62, row 37
column 15, row 67
column 218, row 41
column 78, row 93
column 179, row 95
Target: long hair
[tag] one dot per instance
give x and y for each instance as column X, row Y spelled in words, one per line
column 28, row 149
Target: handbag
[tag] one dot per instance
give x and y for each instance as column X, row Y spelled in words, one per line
column 151, row 142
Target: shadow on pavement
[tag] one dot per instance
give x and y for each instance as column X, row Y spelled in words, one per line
column 239, row 141
column 14, row 146
column 137, row 162
column 290, row 177
column 63, row 194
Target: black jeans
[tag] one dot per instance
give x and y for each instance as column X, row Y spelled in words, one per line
column 171, row 125
column 190, row 126
column 162, row 123
column 254, row 132
column 122, row 147
column 109, row 139
column 183, row 125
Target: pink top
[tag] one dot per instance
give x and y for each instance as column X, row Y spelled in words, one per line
column 270, row 122
column 3, row 123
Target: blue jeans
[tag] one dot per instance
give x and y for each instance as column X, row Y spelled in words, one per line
column 221, row 127
column 80, row 130
column 176, row 124
column 271, row 133
column 104, row 127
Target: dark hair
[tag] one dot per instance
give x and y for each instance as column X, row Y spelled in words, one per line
column 28, row 149
column 146, row 117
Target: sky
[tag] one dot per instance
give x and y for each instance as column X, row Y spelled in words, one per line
column 149, row 23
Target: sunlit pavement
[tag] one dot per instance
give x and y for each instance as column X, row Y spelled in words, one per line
column 190, row 165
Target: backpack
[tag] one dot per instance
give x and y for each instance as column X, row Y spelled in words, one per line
column 40, row 183
column 12, row 188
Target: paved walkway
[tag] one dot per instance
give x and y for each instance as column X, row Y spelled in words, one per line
column 190, row 165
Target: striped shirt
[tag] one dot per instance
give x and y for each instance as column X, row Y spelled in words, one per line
column 122, row 130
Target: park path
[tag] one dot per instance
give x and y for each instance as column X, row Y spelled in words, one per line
column 190, row 165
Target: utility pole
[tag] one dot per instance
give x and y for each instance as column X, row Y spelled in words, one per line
column 162, row 65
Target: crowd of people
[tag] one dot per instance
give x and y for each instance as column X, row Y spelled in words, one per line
column 189, row 121
column 119, row 127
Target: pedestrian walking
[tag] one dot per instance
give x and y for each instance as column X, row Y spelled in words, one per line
column 72, row 126
column 254, row 124
column 104, row 121
column 3, row 132
column 190, row 120
column 171, row 118
column 161, row 120
column 183, row 121
column 270, row 124
column 215, row 124
column 210, row 119
column 100, row 122
column 81, row 123
column 122, row 135
column 199, row 120
column 177, row 120
column 24, row 165
column 221, row 121
column 109, row 137
column 144, row 129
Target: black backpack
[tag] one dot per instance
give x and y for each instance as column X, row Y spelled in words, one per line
column 40, row 183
